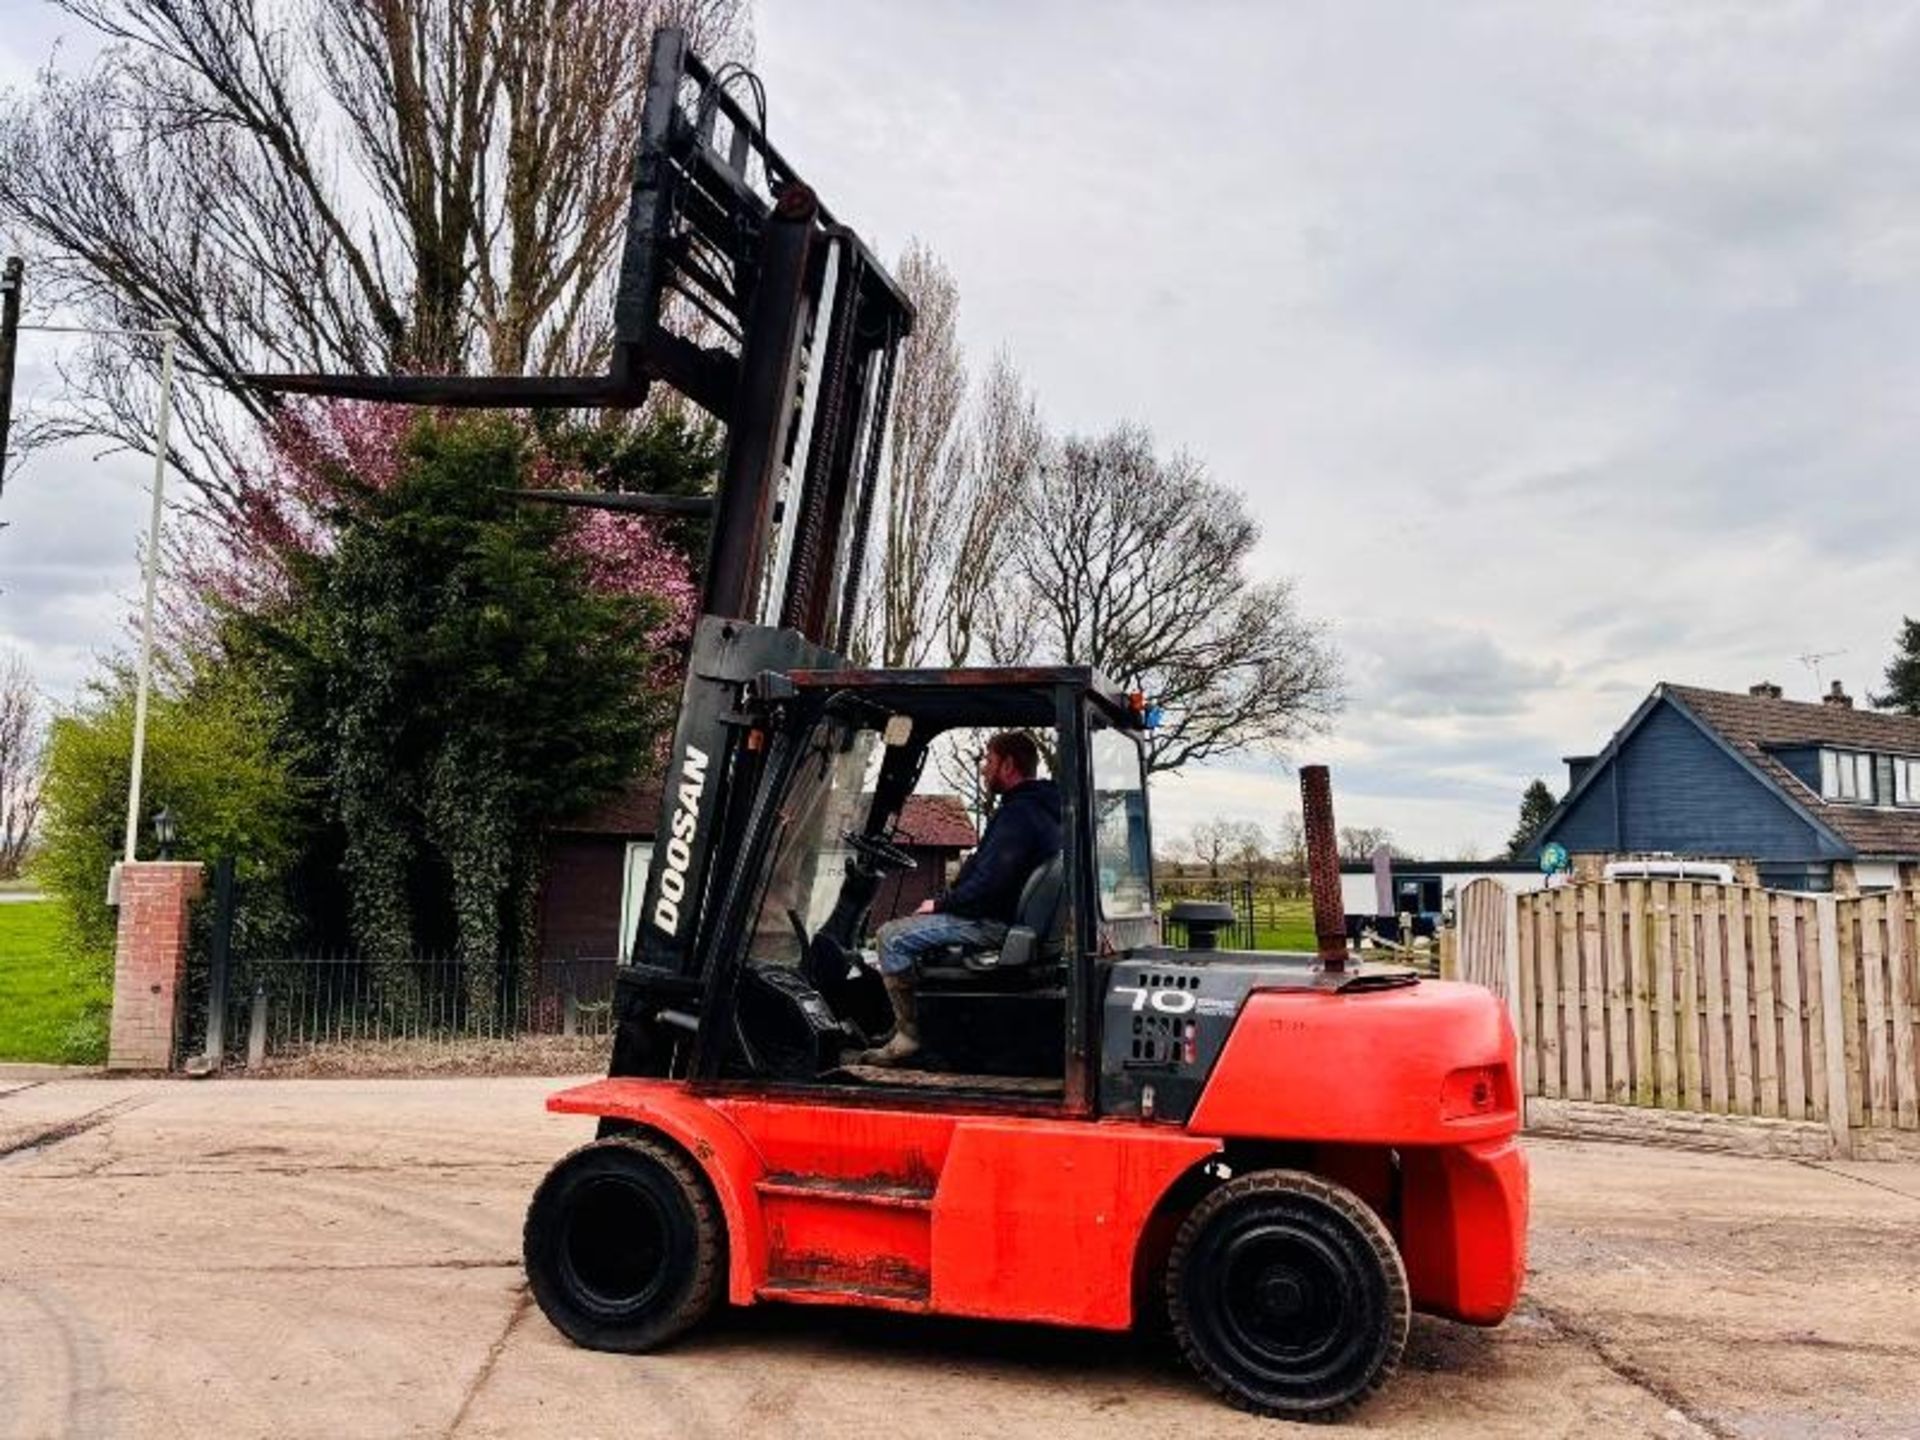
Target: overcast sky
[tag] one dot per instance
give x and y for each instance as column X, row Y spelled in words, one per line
column 1560, row 348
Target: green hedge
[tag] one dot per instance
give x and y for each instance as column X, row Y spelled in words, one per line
column 209, row 761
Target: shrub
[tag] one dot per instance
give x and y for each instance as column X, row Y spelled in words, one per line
column 210, row 760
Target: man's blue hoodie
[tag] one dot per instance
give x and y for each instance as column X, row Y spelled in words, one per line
column 1023, row 833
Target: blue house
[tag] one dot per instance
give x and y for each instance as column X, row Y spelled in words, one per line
column 1797, row 796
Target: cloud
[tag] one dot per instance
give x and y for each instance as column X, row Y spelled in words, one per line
column 1433, row 670
column 1560, row 349
column 69, row 562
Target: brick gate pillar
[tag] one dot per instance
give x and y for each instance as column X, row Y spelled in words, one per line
column 150, row 960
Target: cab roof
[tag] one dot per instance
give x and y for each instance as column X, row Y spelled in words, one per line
column 975, row 684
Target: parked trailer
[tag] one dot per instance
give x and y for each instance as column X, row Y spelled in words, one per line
column 1423, row 889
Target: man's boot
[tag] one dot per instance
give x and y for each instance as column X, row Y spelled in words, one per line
column 905, row 1042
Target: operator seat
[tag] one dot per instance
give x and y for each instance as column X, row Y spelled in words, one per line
column 1030, row 955
column 1003, row 1011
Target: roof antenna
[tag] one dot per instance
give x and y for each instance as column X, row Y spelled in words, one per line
column 1812, row 662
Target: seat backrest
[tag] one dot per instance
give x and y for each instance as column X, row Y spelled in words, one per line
column 1039, row 922
column 1041, row 909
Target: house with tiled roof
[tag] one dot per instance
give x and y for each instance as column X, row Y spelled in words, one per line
column 1795, row 795
column 935, row 829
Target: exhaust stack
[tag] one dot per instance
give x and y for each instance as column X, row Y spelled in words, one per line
column 1323, row 867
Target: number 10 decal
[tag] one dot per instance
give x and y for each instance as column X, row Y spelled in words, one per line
column 1167, row 1002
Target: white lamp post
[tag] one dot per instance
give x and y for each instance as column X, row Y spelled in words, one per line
column 168, row 333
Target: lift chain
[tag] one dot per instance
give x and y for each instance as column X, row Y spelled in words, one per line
column 869, row 485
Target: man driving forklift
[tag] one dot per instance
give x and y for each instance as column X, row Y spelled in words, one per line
column 1023, row 835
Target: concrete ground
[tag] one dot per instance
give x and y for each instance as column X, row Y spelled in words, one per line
column 341, row 1258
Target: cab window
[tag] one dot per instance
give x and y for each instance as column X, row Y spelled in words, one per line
column 1120, row 840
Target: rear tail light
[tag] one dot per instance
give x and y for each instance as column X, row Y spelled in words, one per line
column 1476, row 1092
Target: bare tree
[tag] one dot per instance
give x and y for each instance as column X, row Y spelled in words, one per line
column 1211, row 842
column 1006, row 443
column 923, row 463
column 369, row 185
column 1290, row 846
column 1137, row 565
column 1249, row 849
column 1001, row 547
column 1358, row 842
column 961, row 456
column 956, row 761
column 21, row 752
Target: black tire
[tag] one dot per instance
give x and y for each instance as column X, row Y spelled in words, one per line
column 623, row 1245
column 1287, row 1294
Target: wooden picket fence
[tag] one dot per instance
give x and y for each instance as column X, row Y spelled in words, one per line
column 1719, row 998
column 1482, row 943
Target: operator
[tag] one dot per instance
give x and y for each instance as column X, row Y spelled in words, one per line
column 1023, row 835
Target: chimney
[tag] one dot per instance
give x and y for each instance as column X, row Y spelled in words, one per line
column 1837, row 696
column 1765, row 690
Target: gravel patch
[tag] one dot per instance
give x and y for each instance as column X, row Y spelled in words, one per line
column 381, row 1059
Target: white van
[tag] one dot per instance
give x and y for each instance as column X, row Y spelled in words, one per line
column 1711, row 872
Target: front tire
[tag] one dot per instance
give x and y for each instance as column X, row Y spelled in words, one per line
column 1288, row 1296
column 623, row 1245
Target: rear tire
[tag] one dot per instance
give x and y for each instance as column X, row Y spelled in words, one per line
column 623, row 1245
column 1287, row 1294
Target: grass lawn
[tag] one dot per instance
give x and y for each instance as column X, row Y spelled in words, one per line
column 1281, row 923
column 50, row 1011
column 1287, row 935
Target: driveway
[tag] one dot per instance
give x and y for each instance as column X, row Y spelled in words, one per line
column 330, row 1258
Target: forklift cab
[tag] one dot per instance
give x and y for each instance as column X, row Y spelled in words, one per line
column 830, row 760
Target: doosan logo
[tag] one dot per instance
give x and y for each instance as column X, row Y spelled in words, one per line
column 686, row 820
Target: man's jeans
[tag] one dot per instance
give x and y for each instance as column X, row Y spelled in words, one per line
column 910, row 939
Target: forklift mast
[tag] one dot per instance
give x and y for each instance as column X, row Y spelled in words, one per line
column 740, row 290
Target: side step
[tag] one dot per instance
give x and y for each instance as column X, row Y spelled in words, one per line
column 834, row 1240
column 828, row 1188
column 1040, row 1087
column 912, row 1299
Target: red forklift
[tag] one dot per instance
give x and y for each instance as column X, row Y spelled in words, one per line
column 1281, row 1157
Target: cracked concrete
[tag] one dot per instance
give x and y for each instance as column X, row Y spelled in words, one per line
column 1678, row 1408
column 335, row 1258
column 494, row 1353
column 28, row 1141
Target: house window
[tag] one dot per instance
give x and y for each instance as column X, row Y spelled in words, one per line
column 1906, row 781
column 1846, row 775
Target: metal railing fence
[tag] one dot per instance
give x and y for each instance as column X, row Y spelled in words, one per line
column 282, row 1005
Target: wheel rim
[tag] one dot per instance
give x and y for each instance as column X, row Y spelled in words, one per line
column 1287, row 1299
column 614, row 1252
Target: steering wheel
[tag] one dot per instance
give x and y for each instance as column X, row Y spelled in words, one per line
column 882, row 855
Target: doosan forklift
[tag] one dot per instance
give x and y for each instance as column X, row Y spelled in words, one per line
column 1279, row 1156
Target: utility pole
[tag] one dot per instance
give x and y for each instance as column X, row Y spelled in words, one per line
column 10, row 285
